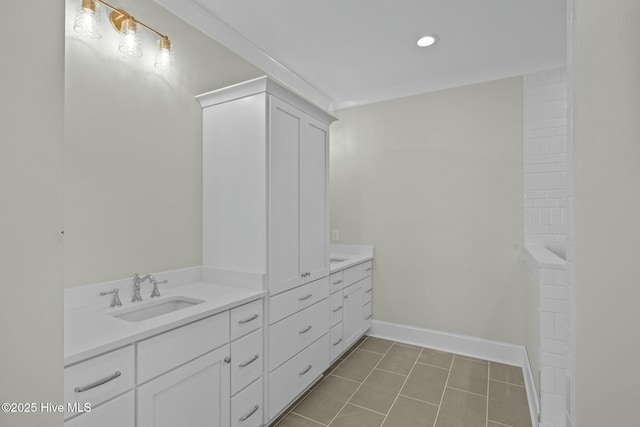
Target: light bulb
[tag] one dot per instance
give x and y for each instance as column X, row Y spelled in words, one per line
column 427, row 41
column 130, row 43
column 164, row 56
column 87, row 22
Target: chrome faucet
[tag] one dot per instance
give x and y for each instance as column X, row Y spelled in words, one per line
column 156, row 293
column 137, row 280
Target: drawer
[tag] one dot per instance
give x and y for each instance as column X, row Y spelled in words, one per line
column 246, row 318
column 353, row 275
column 178, row 346
column 100, row 378
column 337, row 281
column 119, row 412
column 336, row 308
column 366, row 313
column 367, row 268
column 246, row 407
column 289, row 336
column 246, row 360
column 287, row 303
column 336, row 341
column 367, row 289
column 292, row 378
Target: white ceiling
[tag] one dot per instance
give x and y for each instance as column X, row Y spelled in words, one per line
column 340, row 53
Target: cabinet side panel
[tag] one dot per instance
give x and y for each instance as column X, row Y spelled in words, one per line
column 284, row 133
column 234, row 188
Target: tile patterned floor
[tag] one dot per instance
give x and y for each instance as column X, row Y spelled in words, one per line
column 380, row 383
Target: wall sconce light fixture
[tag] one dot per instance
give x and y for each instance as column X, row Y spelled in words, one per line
column 87, row 24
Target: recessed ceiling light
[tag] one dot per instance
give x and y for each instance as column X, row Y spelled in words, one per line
column 427, row 41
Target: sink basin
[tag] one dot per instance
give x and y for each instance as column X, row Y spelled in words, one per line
column 155, row 308
column 336, row 260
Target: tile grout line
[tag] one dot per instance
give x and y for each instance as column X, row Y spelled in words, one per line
column 356, row 390
column 433, row 366
column 444, row 390
column 391, row 372
column 368, row 409
column 467, row 391
column 488, row 380
column 417, row 400
column 506, row 382
column 399, row 391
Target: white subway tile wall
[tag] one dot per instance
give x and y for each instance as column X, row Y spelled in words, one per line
column 546, row 181
column 547, row 220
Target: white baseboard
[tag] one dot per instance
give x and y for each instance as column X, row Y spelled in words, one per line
column 480, row 348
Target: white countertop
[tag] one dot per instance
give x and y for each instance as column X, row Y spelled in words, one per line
column 90, row 331
column 351, row 254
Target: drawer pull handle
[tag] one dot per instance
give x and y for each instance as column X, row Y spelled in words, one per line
column 367, row 291
column 253, row 411
column 249, row 362
column 305, row 370
column 368, row 317
column 338, row 342
column 254, row 317
column 337, row 282
column 335, row 310
column 306, row 297
column 112, row 377
column 368, row 269
column 305, row 330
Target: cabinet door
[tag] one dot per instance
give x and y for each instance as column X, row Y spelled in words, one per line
column 352, row 314
column 195, row 394
column 284, row 138
column 314, row 228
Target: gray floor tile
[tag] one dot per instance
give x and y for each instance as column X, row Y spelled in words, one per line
column 408, row 412
column 353, row 416
column 469, row 375
column 462, row 409
column 426, row 383
column 506, row 373
column 379, row 391
column 492, row 424
column 376, row 345
column 327, row 399
column 293, row 420
column 399, row 359
column 486, row 362
column 358, row 365
column 508, row 404
column 438, row 358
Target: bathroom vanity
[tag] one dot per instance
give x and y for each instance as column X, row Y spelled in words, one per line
column 237, row 340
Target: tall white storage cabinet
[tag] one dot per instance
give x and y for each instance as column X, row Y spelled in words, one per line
column 266, row 214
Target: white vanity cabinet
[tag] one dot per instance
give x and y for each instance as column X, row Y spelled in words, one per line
column 266, row 211
column 351, row 297
column 208, row 372
column 265, row 184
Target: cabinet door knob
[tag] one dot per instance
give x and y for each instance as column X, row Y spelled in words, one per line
column 227, row 359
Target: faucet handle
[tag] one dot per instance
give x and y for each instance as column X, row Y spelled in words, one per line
column 115, row 302
column 156, row 293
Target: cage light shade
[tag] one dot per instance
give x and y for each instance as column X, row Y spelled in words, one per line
column 130, row 43
column 164, row 56
column 87, row 22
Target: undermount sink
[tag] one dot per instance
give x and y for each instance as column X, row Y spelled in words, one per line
column 155, row 308
column 336, row 260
